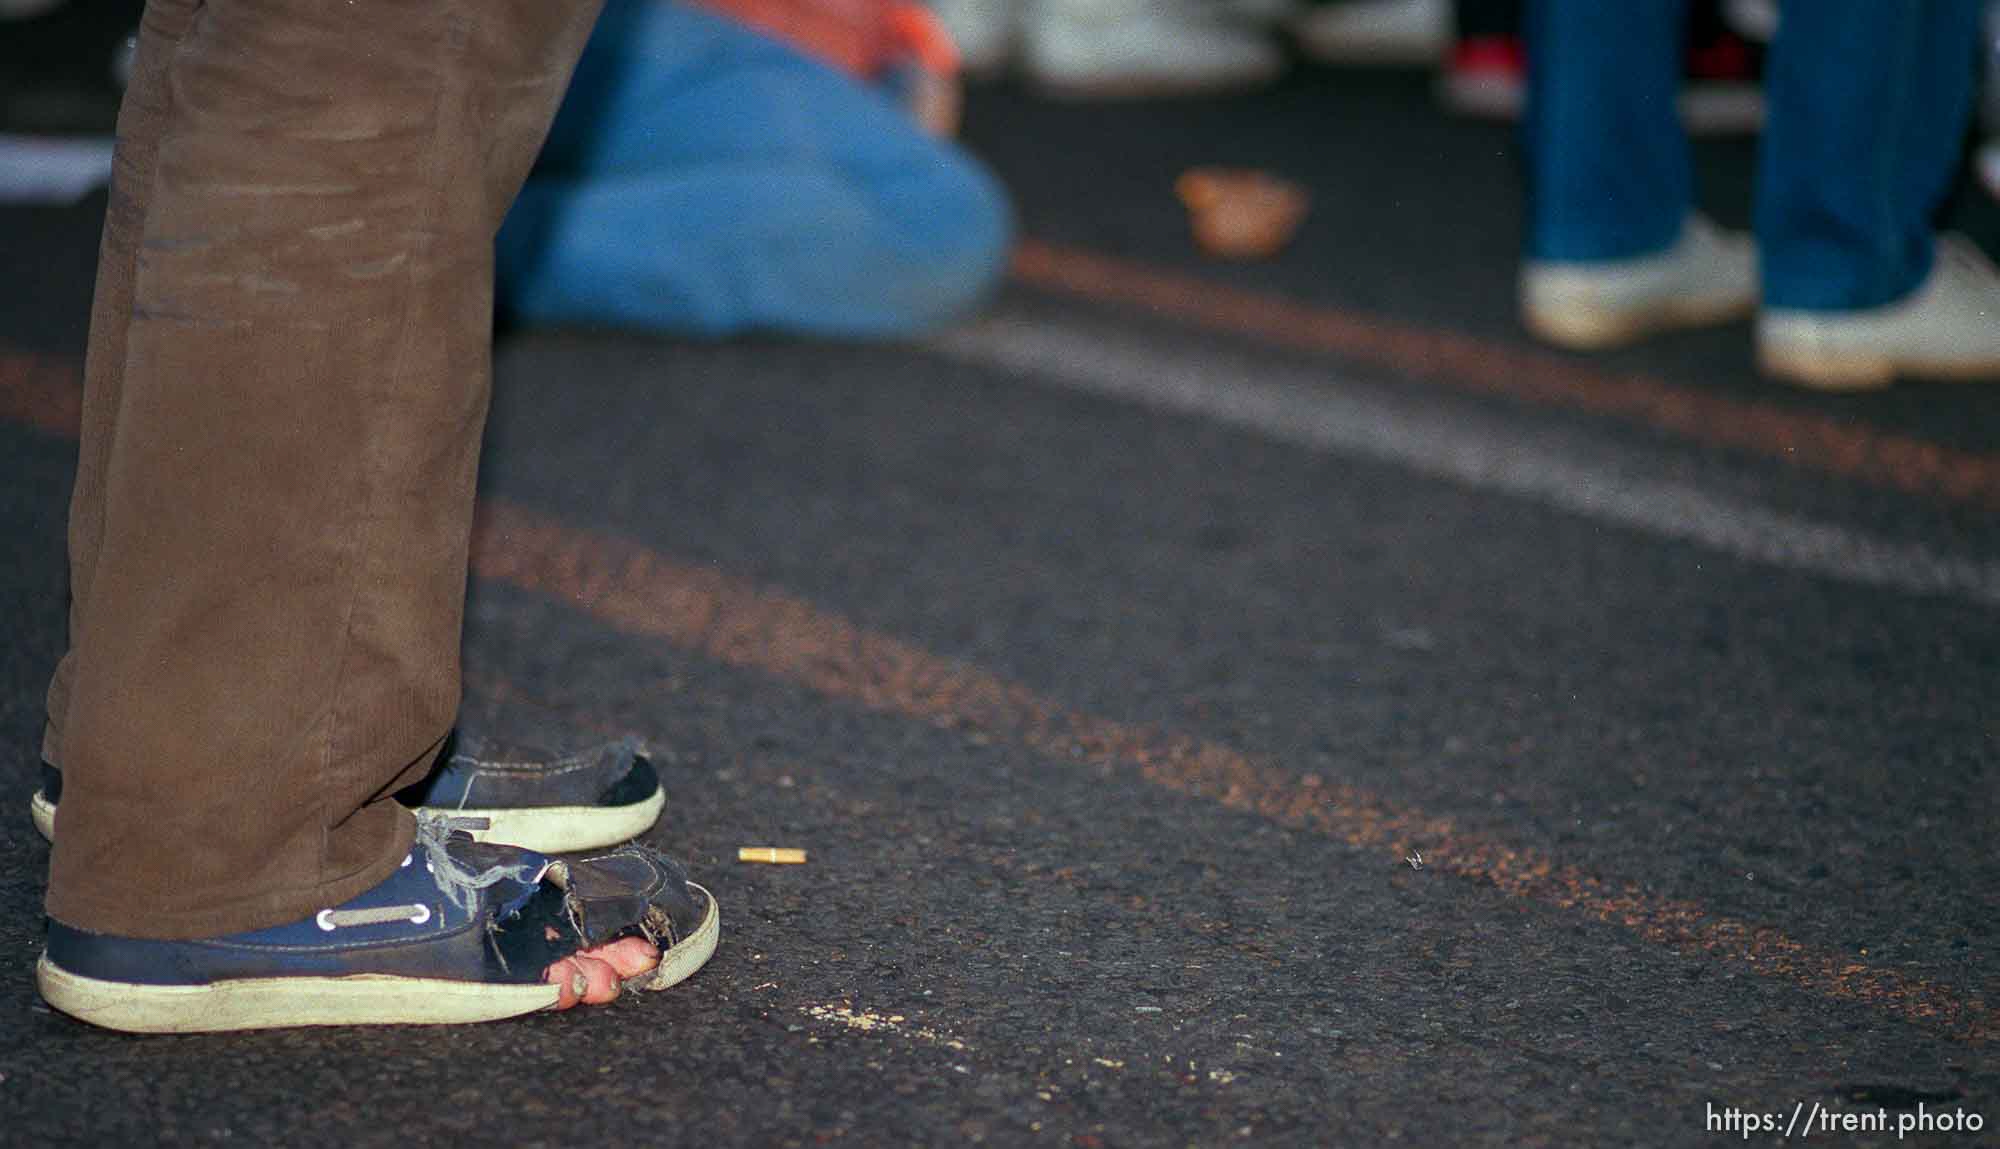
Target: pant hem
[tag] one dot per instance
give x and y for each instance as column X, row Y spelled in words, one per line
column 1571, row 250
column 1836, row 302
column 261, row 911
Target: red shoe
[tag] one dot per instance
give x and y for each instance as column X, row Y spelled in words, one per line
column 1486, row 77
column 1724, row 92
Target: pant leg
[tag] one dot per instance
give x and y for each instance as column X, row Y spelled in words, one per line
column 139, row 119
column 269, row 644
column 1608, row 169
column 702, row 177
column 1868, row 105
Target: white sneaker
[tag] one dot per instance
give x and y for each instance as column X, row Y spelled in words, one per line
column 983, row 30
column 1948, row 328
column 1140, row 48
column 1377, row 31
column 1707, row 276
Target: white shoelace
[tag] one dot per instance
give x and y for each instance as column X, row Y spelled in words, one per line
column 459, row 885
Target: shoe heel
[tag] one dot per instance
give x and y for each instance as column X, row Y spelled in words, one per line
column 1822, row 370
column 1579, row 328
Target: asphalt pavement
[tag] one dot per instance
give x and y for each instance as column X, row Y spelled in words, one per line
column 1222, row 703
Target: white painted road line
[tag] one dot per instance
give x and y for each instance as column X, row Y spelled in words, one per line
column 1309, row 409
column 38, row 170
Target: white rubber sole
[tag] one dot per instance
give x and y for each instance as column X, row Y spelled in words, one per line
column 684, row 957
column 365, row 999
column 283, row 1002
column 1585, row 328
column 1824, row 369
column 1821, row 370
column 43, row 813
column 565, row 829
column 547, row 830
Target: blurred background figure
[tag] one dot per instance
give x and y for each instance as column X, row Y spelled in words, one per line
column 1114, row 47
column 708, row 177
column 1482, row 62
column 729, row 165
column 62, row 74
column 755, row 164
column 1721, row 66
column 1869, row 106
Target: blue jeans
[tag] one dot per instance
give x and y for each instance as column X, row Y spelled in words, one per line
column 1867, row 99
column 704, row 178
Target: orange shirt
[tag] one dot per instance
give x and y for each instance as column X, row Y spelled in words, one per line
column 861, row 37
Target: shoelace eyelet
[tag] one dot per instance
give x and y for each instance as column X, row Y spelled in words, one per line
column 417, row 915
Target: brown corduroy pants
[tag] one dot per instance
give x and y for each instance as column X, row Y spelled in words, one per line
column 285, row 390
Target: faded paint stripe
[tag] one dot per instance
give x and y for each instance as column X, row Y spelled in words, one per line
column 1309, row 409
column 42, row 392
column 642, row 592
column 1836, row 446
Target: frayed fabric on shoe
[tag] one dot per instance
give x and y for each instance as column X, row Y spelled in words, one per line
column 457, row 880
column 634, row 887
column 479, row 773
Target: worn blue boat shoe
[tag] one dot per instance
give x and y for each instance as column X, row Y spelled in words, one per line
column 554, row 802
column 462, row 932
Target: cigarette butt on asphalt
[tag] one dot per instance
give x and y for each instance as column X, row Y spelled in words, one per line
column 771, row 855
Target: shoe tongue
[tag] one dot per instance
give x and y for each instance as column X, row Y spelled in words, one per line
column 488, row 749
column 519, row 872
column 479, row 857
